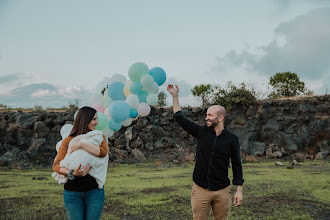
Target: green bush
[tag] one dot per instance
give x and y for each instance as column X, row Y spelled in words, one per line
column 233, row 95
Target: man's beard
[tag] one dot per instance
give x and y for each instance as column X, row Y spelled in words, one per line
column 214, row 123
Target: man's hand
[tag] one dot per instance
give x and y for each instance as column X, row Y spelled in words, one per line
column 238, row 199
column 173, row 90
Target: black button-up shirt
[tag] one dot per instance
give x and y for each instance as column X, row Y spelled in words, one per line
column 213, row 154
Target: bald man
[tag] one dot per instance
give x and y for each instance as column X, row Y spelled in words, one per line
column 216, row 145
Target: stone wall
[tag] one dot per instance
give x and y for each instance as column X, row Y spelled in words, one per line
column 295, row 127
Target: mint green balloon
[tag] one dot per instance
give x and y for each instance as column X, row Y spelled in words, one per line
column 137, row 70
column 102, row 121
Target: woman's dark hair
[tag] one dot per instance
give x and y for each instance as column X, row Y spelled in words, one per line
column 83, row 118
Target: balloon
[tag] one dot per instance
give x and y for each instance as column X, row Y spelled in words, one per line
column 98, row 107
column 154, row 89
column 116, row 91
column 97, row 99
column 102, row 121
column 119, row 110
column 127, row 122
column 137, row 70
column 158, row 74
column 105, row 94
column 107, row 132
column 152, row 99
column 136, row 87
column 118, row 78
column 143, row 96
column 106, row 103
column 133, row 113
column 75, row 115
column 107, row 113
column 66, row 130
column 127, row 92
column 132, row 100
column 113, row 125
column 143, row 109
column 147, row 81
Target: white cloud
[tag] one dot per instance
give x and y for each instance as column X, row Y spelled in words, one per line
column 42, row 93
column 301, row 45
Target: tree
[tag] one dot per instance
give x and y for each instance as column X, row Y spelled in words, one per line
column 233, row 95
column 287, row 84
column 162, row 99
column 203, row 91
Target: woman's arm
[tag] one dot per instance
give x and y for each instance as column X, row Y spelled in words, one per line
column 98, row 151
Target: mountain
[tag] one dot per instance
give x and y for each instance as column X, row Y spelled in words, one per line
column 45, row 95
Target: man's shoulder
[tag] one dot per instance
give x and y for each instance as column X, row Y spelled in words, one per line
column 232, row 134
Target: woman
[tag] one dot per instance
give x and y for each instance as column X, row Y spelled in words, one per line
column 82, row 197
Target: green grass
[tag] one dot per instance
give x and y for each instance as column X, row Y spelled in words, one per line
column 147, row 191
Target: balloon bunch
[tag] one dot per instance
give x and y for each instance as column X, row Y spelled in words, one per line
column 124, row 101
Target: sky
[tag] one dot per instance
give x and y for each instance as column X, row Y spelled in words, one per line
column 77, row 45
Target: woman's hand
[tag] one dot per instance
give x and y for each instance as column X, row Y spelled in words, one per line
column 81, row 172
column 75, row 146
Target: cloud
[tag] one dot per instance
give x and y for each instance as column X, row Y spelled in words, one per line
column 306, row 50
column 9, row 78
column 43, row 93
column 301, row 46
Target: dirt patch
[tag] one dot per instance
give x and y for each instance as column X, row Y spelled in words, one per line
column 158, row 190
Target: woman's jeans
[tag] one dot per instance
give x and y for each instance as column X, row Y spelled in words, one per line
column 84, row 205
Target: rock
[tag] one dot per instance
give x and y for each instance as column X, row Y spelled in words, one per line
column 137, row 143
column 158, row 145
column 276, row 154
column 141, row 123
column 258, row 148
column 299, row 157
column 149, row 146
column 294, row 162
column 39, row 126
column 320, row 156
column 278, row 163
column 138, row 155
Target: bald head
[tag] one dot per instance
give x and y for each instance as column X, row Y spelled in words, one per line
column 219, row 110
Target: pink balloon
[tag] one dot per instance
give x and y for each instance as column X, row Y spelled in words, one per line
column 98, row 107
column 107, row 113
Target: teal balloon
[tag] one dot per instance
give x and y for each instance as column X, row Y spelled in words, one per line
column 136, row 87
column 102, row 121
column 137, row 70
column 143, row 96
column 158, row 74
column 75, row 115
column 119, row 110
column 113, row 125
column 116, row 91
column 133, row 113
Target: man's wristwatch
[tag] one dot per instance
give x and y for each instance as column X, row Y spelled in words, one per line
column 70, row 176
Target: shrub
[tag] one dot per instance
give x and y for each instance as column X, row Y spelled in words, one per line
column 233, row 96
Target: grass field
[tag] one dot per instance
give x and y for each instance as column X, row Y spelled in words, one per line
column 162, row 191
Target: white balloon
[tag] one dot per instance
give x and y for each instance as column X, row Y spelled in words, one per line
column 132, row 100
column 118, row 78
column 152, row 99
column 66, row 130
column 107, row 102
column 143, row 109
column 127, row 122
column 58, row 145
column 154, row 89
column 107, row 132
column 97, row 99
column 147, row 81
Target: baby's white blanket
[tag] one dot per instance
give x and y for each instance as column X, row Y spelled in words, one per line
column 71, row 161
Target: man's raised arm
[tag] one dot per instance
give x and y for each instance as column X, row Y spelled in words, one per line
column 175, row 94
